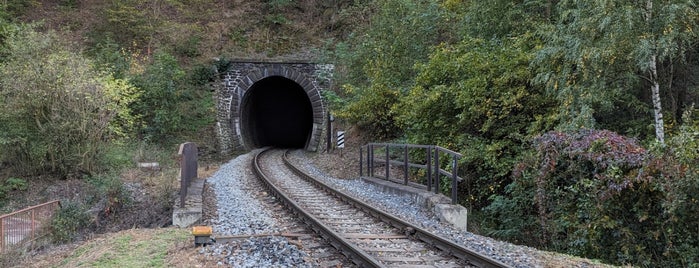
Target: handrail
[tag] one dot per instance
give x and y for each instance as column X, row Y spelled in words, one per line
column 22, row 225
column 430, row 163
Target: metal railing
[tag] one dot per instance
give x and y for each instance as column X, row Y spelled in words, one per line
column 399, row 155
column 26, row 225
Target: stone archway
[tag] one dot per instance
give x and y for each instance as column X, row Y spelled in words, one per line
column 271, row 104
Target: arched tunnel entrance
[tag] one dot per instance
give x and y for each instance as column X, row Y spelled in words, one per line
column 277, row 112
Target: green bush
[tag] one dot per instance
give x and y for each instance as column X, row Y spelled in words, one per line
column 16, row 184
column 597, row 194
column 678, row 170
column 189, row 48
column 474, row 97
column 110, row 189
column 57, row 112
column 130, row 22
column 171, row 104
column 378, row 71
column 68, row 221
column 17, row 8
column 11, row 185
column 118, row 155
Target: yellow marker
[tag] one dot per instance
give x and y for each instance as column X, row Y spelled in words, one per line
column 202, row 230
column 202, row 235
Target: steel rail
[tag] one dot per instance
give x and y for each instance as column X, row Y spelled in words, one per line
column 357, row 255
column 452, row 248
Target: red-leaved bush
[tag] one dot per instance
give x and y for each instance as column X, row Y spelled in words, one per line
column 598, row 194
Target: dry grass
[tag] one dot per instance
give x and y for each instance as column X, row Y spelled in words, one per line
column 128, row 248
column 235, row 29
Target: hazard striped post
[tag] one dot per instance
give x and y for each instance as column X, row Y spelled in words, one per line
column 340, row 141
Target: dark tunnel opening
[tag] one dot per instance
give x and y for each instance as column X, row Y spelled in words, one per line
column 276, row 112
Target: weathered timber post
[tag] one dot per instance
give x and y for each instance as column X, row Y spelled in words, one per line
column 188, row 167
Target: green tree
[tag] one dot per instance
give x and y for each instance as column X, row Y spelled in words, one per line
column 499, row 19
column 380, row 58
column 161, row 83
column 474, row 97
column 679, row 177
column 57, row 111
column 600, row 55
column 170, row 104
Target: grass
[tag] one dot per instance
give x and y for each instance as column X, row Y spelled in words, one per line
column 130, row 248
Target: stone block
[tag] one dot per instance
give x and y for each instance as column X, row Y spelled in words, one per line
column 185, row 217
column 453, row 214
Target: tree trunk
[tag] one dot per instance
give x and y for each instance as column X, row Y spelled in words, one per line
column 655, row 86
column 657, row 105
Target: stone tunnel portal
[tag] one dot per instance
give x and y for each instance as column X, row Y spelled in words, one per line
column 276, row 112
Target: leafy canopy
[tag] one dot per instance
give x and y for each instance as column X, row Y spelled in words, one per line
column 57, row 111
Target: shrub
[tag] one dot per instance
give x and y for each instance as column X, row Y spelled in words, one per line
column 110, row 190
column 678, row 168
column 474, row 97
column 11, row 185
column 592, row 196
column 57, row 112
column 171, row 105
column 68, row 221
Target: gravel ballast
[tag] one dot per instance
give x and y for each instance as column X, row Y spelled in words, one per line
column 405, row 208
column 240, row 213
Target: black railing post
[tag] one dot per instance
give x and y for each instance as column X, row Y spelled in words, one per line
column 429, row 168
column 361, row 162
column 370, row 161
column 436, row 170
column 388, row 165
column 454, row 181
column 405, row 165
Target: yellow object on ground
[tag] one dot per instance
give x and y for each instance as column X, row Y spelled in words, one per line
column 202, row 230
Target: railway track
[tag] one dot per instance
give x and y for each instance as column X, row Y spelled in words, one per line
column 368, row 237
column 286, row 225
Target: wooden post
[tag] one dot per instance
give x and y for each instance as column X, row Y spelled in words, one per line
column 2, row 234
column 188, row 167
column 33, row 223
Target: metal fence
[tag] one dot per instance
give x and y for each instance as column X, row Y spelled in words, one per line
column 394, row 154
column 26, row 225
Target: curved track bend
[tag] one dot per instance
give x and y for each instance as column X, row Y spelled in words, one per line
column 370, row 238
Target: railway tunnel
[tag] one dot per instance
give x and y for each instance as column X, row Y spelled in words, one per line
column 275, row 104
column 276, row 112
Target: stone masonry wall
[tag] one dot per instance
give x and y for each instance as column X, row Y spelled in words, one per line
column 240, row 76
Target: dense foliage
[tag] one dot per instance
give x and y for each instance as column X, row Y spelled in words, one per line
column 475, row 95
column 568, row 112
column 381, row 68
column 594, row 190
column 542, row 99
column 169, row 105
column 576, row 183
column 56, row 119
